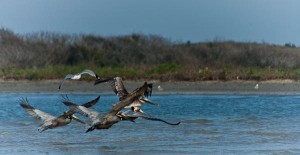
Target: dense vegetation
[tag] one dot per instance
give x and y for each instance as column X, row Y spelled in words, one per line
column 47, row 55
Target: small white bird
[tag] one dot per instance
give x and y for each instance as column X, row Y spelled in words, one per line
column 160, row 88
column 78, row 76
column 256, row 86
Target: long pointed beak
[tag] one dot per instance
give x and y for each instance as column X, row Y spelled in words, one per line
column 119, row 114
column 77, row 119
column 101, row 80
column 124, row 118
column 148, row 101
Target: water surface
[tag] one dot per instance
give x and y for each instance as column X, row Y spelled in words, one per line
column 211, row 124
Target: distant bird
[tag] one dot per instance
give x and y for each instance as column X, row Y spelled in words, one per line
column 51, row 121
column 160, row 88
column 78, row 76
column 256, row 86
column 118, row 87
column 111, row 117
column 136, row 112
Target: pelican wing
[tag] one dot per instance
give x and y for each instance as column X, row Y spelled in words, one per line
column 130, row 114
column 87, row 105
column 93, row 115
column 127, row 101
column 147, row 92
column 36, row 112
column 119, row 88
column 91, row 103
column 158, row 119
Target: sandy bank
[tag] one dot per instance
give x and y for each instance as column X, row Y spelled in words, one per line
column 210, row 87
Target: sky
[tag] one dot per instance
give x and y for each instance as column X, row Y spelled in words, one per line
column 270, row 21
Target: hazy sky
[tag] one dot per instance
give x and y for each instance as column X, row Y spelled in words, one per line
column 272, row 21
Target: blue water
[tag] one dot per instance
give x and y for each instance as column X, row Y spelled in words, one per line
column 211, row 124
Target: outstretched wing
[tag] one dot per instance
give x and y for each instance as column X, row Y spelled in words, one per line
column 90, row 72
column 130, row 98
column 78, row 76
column 93, row 115
column 130, row 114
column 87, row 105
column 157, row 119
column 147, row 92
column 91, row 103
column 117, row 86
column 35, row 112
column 69, row 76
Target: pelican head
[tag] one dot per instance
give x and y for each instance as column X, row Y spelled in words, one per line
column 136, row 109
column 120, row 115
column 74, row 117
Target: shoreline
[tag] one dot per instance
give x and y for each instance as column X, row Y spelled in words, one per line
column 172, row 87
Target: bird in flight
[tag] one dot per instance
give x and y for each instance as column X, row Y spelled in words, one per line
column 111, row 117
column 78, row 76
column 51, row 121
column 118, row 87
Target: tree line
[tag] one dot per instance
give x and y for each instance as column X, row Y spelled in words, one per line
column 42, row 49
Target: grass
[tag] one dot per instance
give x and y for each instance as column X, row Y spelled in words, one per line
column 58, row 72
column 163, row 72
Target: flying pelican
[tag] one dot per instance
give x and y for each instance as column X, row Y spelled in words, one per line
column 51, row 121
column 118, row 87
column 78, row 76
column 111, row 117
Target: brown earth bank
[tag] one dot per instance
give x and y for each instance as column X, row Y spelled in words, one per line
column 171, row 87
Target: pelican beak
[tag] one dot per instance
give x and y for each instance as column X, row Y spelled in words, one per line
column 148, row 101
column 77, row 119
column 137, row 109
column 119, row 114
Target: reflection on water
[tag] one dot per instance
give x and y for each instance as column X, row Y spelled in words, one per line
column 211, row 124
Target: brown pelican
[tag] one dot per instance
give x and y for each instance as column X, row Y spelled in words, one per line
column 51, row 121
column 118, row 87
column 78, row 76
column 111, row 117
